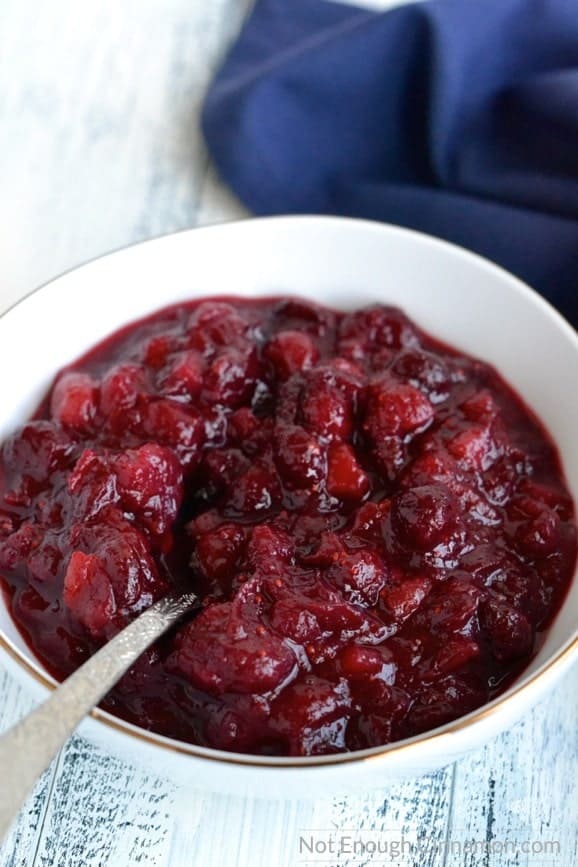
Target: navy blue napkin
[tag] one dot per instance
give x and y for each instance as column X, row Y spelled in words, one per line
column 454, row 117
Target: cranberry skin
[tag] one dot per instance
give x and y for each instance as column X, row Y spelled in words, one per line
column 219, row 655
column 424, row 517
column 300, row 458
column 291, row 352
column 45, row 562
column 74, row 402
column 369, row 520
column 481, row 407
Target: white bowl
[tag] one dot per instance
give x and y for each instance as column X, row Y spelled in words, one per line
column 455, row 295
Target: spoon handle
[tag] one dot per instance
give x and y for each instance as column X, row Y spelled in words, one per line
column 27, row 748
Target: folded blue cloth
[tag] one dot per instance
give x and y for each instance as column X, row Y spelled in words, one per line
column 454, row 117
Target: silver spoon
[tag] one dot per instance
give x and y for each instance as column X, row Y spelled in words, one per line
column 27, row 748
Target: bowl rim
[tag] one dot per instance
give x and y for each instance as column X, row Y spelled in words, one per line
column 525, row 684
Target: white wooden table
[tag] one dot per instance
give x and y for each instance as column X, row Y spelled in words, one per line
column 99, row 148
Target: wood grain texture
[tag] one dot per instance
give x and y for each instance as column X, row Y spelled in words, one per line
column 100, row 147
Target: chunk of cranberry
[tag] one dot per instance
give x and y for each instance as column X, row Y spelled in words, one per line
column 295, row 622
column 326, row 550
column 369, row 519
column 451, row 697
column 327, row 412
column 120, row 390
column 305, row 314
column 358, row 662
column 218, row 655
column 474, row 447
column 158, row 349
column 17, row 548
column 233, row 727
column 36, row 450
column 257, row 491
column 360, row 575
column 401, row 600
column 216, row 322
column 74, row 402
column 390, row 456
column 230, row 377
column 395, row 409
column 379, row 326
column 508, row 631
column 150, row 483
column 451, row 608
column 118, row 558
column 481, row 407
column 453, row 655
column 45, row 561
column 170, row 424
column 424, row 517
column 269, row 548
column 381, row 717
column 299, row 456
column 244, row 426
column 184, row 375
column 345, row 477
column 218, row 551
column 312, row 714
column 425, row 371
column 538, row 533
column 92, row 484
column 221, row 466
column 291, row 352
column 88, row 593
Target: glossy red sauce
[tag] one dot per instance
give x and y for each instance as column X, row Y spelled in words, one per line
column 377, row 527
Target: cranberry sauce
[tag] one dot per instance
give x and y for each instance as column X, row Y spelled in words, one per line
column 377, row 527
